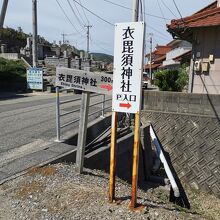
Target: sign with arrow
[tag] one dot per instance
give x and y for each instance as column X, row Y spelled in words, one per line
column 128, row 67
column 84, row 80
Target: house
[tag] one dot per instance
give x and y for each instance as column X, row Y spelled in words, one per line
column 202, row 29
column 179, row 48
column 157, row 58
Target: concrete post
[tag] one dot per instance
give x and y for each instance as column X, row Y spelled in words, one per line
column 34, row 35
column 3, row 12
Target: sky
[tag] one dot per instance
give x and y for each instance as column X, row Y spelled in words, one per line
column 52, row 21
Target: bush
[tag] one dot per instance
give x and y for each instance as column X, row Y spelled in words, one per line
column 171, row 80
column 12, row 71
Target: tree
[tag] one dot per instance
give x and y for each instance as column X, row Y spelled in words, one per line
column 171, row 80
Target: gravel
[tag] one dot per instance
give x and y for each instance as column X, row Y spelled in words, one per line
column 57, row 192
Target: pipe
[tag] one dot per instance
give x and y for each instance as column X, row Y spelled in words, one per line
column 163, row 160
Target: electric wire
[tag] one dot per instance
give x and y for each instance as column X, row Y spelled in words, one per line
column 68, row 18
column 164, row 36
column 158, row 3
column 98, row 45
column 78, row 12
column 168, row 8
column 104, row 20
column 72, row 9
column 83, row 12
column 178, row 11
column 122, row 6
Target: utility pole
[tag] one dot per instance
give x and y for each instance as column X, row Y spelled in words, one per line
column 3, row 12
column 34, row 35
column 63, row 36
column 150, row 70
column 88, row 34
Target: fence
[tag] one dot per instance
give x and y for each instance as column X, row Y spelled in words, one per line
column 103, row 107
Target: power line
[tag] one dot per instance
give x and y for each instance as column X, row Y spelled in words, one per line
column 168, row 8
column 122, row 6
column 94, row 14
column 80, row 22
column 84, row 12
column 164, row 36
column 177, row 9
column 68, row 18
column 83, row 21
column 98, row 45
column 161, row 11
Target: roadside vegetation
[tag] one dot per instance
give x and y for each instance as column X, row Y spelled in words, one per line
column 12, row 71
column 171, row 80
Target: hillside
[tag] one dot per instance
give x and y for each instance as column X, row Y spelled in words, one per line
column 13, row 39
column 102, row 57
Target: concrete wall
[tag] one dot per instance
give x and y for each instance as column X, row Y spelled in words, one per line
column 188, row 126
column 10, row 56
column 207, row 44
column 55, row 61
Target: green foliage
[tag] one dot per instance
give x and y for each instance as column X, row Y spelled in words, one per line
column 171, row 80
column 102, row 57
column 12, row 71
column 13, row 39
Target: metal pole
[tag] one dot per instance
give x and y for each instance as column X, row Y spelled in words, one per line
column 192, row 70
column 133, row 203
column 58, row 113
column 103, row 105
column 3, row 12
column 34, row 35
column 150, row 70
column 82, row 132
column 113, row 157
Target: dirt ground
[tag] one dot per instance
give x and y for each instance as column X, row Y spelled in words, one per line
column 57, row 192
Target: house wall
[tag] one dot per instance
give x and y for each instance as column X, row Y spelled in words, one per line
column 178, row 49
column 207, row 44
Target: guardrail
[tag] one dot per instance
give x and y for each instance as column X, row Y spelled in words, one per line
column 103, row 107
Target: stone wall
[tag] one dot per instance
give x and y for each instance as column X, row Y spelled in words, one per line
column 10, row 56
column 55, row 61
column 188, row 126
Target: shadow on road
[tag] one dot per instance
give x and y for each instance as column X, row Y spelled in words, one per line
column 11, row 95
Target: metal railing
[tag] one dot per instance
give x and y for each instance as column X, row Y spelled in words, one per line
column 102, row 110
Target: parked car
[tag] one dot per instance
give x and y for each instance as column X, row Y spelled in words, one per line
column 146, row 80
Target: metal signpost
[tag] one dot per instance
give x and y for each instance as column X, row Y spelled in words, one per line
column 84, row 80
column 126, row 95
column 35, row 78
column 87, row 82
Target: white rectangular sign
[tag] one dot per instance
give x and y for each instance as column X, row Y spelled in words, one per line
column 128, row 67
column 84, row 80
column 35, row 78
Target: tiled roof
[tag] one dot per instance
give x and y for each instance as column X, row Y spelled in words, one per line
column 184, row 55
column 208, row 16
column 153, row 66
column 160, row 50
column 160, row 59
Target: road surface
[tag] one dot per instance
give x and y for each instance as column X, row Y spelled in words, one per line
column 27, row 122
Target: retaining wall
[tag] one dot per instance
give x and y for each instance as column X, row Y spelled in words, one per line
column 188, row 126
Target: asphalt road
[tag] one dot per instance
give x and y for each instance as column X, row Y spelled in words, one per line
column 30, row 118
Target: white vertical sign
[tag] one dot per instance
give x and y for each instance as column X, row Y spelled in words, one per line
column 128, row 67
